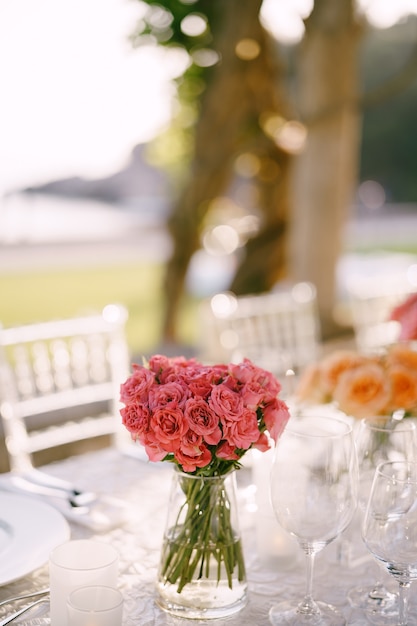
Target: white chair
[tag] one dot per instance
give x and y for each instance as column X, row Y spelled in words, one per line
column 370, row 304
column 60, row 383
column 278, row 331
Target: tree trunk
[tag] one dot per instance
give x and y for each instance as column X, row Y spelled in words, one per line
column 265, row 255
column 238, row 92
column 325, row 173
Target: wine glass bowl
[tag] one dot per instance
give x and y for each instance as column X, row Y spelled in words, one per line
column 376, row 442
column 390, row 526
column 313, row 494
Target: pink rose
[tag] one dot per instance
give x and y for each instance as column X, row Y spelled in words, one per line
column 201, row 384
column 218, row 373
column 154, row 451
column 227, row 404
column 136, row 418
column 191, row 443
column 158, row 363
column 181, row 362
column 162, row 367
column 242, row 433
column 252, row 394
column 276, row 416
column 248, row 372
column 169, row 426
column 203, row 420
column 173, row 393
column 262, row 444
column 227, row 452
column 137, row 386
column 183, row 369
column 190, row 463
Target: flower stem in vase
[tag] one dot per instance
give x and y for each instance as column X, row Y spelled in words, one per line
column 202, row 559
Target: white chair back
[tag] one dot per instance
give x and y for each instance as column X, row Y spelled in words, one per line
column 370, row 304
column 60, row 382
column 278, row 331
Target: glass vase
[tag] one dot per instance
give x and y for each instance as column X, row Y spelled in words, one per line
column 202, row 572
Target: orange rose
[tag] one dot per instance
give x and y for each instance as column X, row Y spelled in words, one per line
column 309, row 388
column 335, row 364
column 364, row 391
column 403, row 388
column 400, row 354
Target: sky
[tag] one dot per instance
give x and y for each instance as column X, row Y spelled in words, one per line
column 77, row 97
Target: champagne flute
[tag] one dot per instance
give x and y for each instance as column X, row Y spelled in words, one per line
column 393, row 440
column 389, row 528
column 314, row 481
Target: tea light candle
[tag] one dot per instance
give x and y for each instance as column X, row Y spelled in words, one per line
column 275, row 546
column 95, row 606
column 79, row 563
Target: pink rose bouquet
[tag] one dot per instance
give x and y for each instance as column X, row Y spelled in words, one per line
column 363, row 385
column 406, row 314
column 203, row 419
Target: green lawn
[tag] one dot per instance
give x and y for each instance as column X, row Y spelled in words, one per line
column 43, row 295
column 38, row 296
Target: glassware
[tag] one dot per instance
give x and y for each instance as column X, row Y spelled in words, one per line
column 390, row 527
column 202, row 571
column 79, row 563
column 95, row 606
column 392, row 440
column 314, row 483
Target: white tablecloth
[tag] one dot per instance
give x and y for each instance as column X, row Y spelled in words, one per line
column 144, row 487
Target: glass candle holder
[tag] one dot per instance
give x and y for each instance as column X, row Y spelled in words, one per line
column 95, row 606
column 79, row 563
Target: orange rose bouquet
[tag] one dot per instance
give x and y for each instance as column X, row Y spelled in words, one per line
column 364, row 386
column 203, row 419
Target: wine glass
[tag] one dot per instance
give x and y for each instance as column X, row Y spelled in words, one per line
column 392, row 440
column 389, row 528
column 314, row 481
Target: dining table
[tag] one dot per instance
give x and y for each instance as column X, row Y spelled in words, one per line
column 138, row 490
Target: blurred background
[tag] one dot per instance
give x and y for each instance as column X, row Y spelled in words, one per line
column 155, row 153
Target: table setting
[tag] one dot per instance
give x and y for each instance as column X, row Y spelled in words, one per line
column 96, row 511
column 281, row 501
column 146, row 488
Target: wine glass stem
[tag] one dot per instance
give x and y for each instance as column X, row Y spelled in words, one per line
column 308, row 606
column 403, row 603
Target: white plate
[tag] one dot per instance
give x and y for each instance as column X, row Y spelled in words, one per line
column 29, row 530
